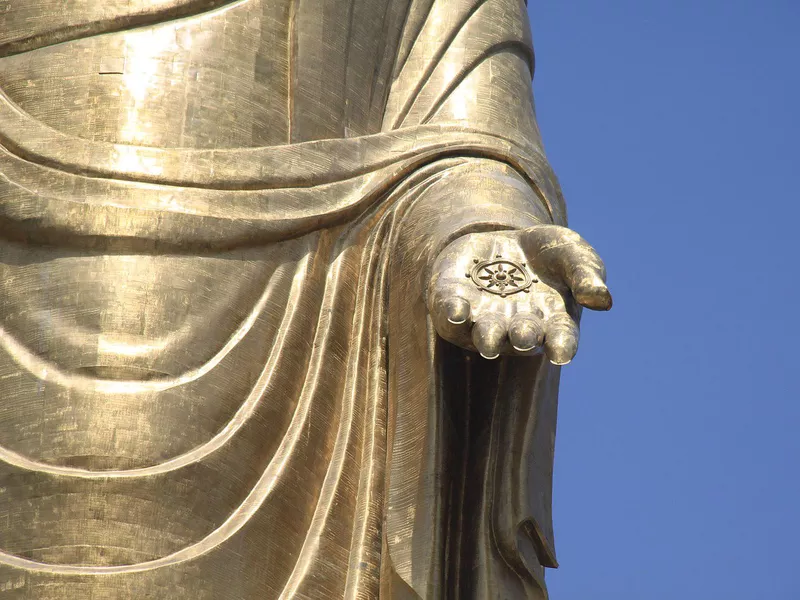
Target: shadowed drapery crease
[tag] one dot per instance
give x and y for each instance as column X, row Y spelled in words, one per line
column 378, row 438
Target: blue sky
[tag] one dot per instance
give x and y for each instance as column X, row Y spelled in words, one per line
column 673, row 126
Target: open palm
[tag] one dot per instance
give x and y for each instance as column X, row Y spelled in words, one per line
column 517, row 292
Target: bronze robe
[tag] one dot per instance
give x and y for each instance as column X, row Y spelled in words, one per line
column 333, row 446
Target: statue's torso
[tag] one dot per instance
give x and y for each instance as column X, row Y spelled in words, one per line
column 217, row 79
column 200, row 423
column 214, row 80
column 204, row 74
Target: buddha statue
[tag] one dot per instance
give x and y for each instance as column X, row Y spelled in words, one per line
column 285, row 291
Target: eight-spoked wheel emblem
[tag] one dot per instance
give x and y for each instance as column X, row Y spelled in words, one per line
column 501, row 277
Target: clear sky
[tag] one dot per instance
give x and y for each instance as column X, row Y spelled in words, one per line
column 673, row 125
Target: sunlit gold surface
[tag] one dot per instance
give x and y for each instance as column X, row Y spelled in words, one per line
column 240, row 355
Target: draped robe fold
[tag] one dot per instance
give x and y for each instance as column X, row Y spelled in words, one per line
column 334, row 446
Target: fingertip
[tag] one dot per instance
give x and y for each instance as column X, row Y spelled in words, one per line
column 561, row 345
column 609, row 301
column 595, row 298
column 588, row 285
column 561, row 357
column 457, row 310
column 489, row 335
column 526, row 333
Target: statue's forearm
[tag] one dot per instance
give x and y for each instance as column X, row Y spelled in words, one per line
column 470, row 63
column 470, row 67
column 470, row 195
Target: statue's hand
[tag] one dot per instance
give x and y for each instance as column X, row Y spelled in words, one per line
column 517, row 292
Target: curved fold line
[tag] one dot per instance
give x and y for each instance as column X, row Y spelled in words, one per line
column 393, row 147
column 361, row 528
column 434, row 62
column 376, row 79
column 291, row 56
column 513, row 46
column 219, row 231
column 333, row 476
column 251, row 504
column 47, row 371
column 231, row 428
column 117, row 23
column 405, row 52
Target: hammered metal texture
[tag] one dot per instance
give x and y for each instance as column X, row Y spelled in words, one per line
column 238, row 359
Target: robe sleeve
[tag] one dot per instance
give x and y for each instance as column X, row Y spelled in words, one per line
column 469, row 64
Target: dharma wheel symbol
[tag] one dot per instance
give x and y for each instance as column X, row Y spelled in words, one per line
column 501, row 277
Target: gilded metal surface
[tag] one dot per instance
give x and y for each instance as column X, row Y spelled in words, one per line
column 238, row 349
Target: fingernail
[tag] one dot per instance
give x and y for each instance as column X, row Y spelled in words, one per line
column 610, row 302
column 457, row 311
column 523, row 349
column 561, row 347
column 560, row 357
column 490, row 357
